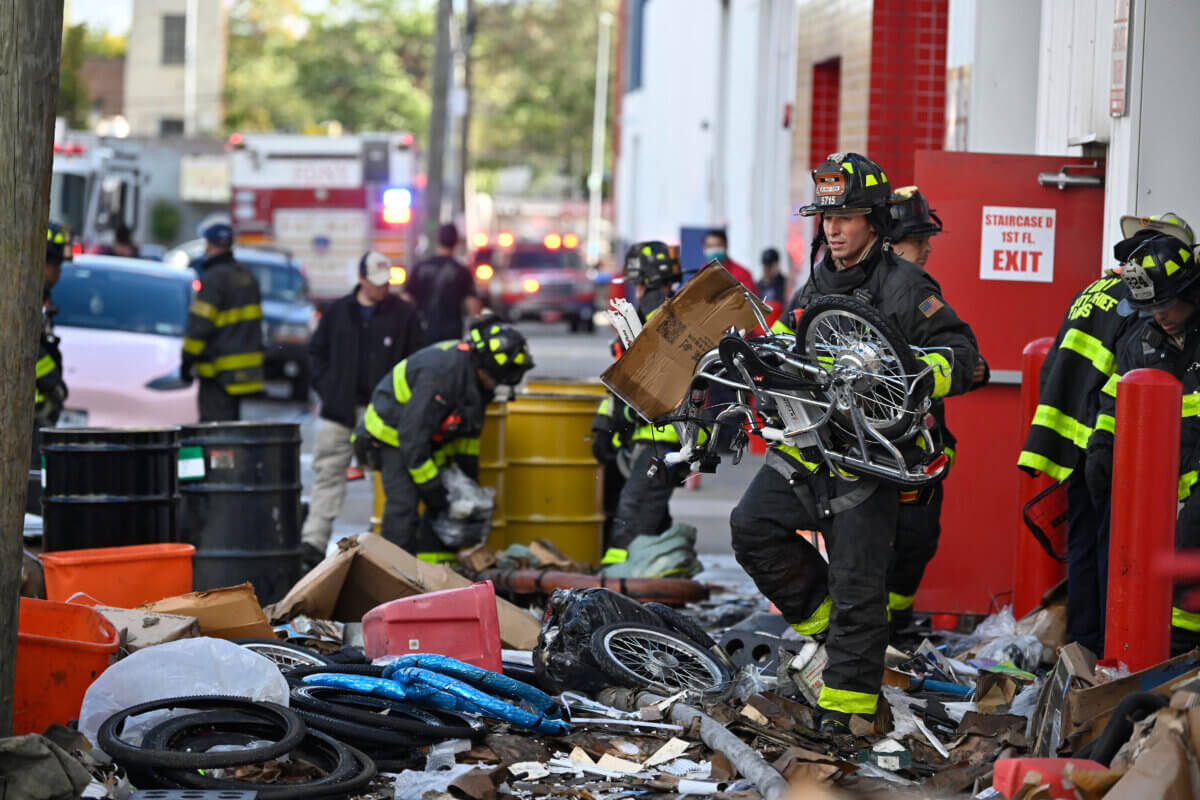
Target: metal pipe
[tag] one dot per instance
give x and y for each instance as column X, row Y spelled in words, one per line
column 1035, row 570
column 1144, row 505
column 595, row 178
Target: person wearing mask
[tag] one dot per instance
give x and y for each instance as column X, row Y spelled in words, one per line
column 427, row 412
column 846, row 599
column 1158, row 267
column 716, row 248
column 443, row 290
column 773, row 285
column 360, row 338
column 222, row 344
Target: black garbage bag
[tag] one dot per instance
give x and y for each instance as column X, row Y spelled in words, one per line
column 562, row 659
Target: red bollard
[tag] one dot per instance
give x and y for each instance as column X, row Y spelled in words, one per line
column 1035, row 571
column 1144, row 506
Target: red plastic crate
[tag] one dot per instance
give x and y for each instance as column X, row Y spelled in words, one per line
column 460, row 623
column 1010, row 773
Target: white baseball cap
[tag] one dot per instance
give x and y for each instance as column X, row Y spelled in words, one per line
column 376, row 268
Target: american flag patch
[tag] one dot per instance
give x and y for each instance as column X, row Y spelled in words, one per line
column 931, row 305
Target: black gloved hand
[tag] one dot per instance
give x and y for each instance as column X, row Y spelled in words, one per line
column 185, row 373
column 1098, row 474
column 434, row 495
column 603, row 449
column 366, row 451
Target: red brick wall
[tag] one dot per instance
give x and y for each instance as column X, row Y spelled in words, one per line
column 908, row 83
column 826, row 92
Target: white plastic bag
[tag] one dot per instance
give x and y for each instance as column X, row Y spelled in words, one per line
column 201, row 666
column 468, row 521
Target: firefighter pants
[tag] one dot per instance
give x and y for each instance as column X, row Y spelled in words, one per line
column 402, row 525
column 645, row 501
column 217, row 405
column 1185, row 602
column 791, row 573
column 332, row 454
column 1087, row 565
column 918, row 527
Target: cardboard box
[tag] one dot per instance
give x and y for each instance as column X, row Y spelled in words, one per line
column 369, row 570
column 654, row 374
column 229, row 613
column 140, row 628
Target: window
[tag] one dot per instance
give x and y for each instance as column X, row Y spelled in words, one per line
column 170, row 127
column 633, row 58
column 119, row 300
column 174, row 38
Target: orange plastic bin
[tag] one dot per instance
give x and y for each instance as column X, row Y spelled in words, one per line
column 61, row 649
column 460, row 623
column 124, row 577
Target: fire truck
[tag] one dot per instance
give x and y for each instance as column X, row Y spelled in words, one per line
column 326, row 200
column 95, row 188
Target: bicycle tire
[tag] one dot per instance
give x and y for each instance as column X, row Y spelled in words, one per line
column 890, row 336
column 358, row 733
column 278, row 651
column 295, row 675
column 660, row 665
column 122, row 752
column 420, row 722
column 682, row 623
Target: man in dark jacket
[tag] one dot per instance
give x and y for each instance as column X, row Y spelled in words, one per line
column 222, row 345
column 444, row 290
column 428, row 412
column 360, row 338
column 846, row 599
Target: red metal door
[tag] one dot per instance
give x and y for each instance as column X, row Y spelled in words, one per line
column 1011, row 257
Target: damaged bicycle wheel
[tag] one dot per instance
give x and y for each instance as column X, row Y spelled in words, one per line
column 855, row 342
column 642, row 656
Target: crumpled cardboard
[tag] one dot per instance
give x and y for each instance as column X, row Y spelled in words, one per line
column 1166, row 766
column 232, row 612
column 654, row 374
column 368, row 570
column 140, row 628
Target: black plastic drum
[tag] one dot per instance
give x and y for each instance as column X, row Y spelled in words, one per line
column 109, row 487
column 240, row 483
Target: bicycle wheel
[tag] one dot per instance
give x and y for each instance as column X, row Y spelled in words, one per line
column 284, row 654
column 642, row 656
column 855, row 342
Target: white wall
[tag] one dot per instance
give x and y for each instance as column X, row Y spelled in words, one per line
column 1003, row 108
column 673, row 171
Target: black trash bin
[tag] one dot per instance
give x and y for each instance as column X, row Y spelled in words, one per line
column 240, row 483
column 109, row 487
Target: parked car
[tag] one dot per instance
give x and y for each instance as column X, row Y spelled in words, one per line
column 288, row 314
column 543, row 280
column 121, row 324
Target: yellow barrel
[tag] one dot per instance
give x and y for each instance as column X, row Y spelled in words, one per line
column 492, row 466
column 553, row 485
column 380, row 500
column 591, row 387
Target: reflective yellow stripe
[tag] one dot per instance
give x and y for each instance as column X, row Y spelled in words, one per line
column 847, row 702
column 778, row 327
column 468, row 446
column 1043, row 464
column 941, row 373
column 250, row 387
column 910, row 497
column 425, row 472
column 1186, row 481
column 1064, row 425
column 1191, row 404
column 900, row 602
column 437, row 558
column 1090, row 348
column 660, row 433
column 379, row 429
column 794, row 453
column 235, row 315
column 193, row 346
column 1110, row 386
column 1188, row 620
column 38, row 397
column 614, row 555
column 203, row 309
column 209, row 369
column 45, row 365
column 949, row 451
column 1106, row 422
column 400, row 383
column 818, row 622
column 605, row 409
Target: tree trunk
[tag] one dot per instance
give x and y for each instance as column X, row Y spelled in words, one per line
column 30, row 43
column 436, row 172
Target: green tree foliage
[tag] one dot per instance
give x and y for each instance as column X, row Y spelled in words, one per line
column 534, row 77
column 73, row 97
column 361, row 63
column 102, row 44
